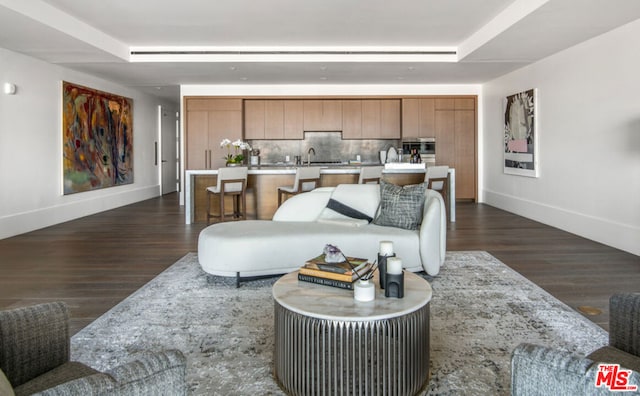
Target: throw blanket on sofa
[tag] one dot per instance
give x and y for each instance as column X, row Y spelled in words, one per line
column 352, row 204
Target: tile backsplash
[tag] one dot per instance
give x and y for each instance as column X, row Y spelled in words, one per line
column 328, row 146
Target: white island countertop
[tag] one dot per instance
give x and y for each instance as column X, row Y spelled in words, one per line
column 343, row 169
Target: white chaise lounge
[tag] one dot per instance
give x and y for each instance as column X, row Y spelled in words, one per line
column 303, row 225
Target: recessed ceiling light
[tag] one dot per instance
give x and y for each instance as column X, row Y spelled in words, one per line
column 232, row 68
column 158, row 88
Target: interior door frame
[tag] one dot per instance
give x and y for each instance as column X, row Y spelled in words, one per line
column 168, row 128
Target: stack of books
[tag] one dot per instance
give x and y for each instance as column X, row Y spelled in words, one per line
column 342, row 275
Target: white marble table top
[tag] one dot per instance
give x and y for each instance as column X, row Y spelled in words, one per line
column 332, row 303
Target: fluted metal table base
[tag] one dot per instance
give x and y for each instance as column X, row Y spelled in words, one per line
column 369, row 357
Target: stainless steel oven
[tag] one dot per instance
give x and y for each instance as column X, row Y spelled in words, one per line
column 426, row 147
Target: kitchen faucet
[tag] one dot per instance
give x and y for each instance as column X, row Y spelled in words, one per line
column 311, row 150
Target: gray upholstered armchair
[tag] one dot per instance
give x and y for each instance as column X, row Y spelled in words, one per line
column 536, row 370
column 34, row 357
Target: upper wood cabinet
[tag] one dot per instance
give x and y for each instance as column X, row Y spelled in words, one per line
column 213, row 104
column 254, row 123
column 464, row 104
column 418, row 118
column 293, row 119
column 390, row 121
column 323, row 115
column 371, row 119
column 288, row 119
column 352, row 119
column 445, row 103
column 273, row 119
column 455, row 103
column 209, row 121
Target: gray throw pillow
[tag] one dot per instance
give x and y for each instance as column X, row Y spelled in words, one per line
column 401, row 206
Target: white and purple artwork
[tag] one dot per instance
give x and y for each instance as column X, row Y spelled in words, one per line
column 520, row 135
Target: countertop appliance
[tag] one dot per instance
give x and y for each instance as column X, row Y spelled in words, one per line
column 423, row 145
column 426, row 147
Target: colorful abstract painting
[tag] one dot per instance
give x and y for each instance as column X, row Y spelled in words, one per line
column 520, row 135
column 97, row 132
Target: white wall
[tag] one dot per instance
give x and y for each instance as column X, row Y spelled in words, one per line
column 588, row 118
column 31, row 148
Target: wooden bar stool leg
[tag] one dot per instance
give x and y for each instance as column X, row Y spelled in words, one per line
column 208, row 207
column 244, row 204
column 236, row 204
column 445, row 197
column 222, row 207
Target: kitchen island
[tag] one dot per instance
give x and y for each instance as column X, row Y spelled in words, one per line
column 263, row 181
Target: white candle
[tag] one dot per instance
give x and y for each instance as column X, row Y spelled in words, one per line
column 394, row 266
column 386, row 248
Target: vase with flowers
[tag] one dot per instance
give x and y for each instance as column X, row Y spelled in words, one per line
column 237, row 157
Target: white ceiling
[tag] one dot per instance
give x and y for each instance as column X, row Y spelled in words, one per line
column 302, row 41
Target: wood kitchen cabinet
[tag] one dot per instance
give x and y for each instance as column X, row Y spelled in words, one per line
column 455, row 131
column 293, row 119
column 322, row 115
column 273, row 119
column 445, row 139
column 371, row 119
column 209, row 121
column 465, row 153
column 455, row 104
column 418, row 118
column 254, row 123
column 445, row 103
column 451, row 119
column 390, row 119
column 352, row 119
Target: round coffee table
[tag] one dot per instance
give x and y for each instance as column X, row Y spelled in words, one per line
column 328, row 343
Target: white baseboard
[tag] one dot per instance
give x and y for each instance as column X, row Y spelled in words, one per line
column 620, row 236
column 20, row 223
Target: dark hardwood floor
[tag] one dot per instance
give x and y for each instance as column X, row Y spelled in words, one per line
column 95, row 262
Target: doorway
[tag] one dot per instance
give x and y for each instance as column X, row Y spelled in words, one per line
column 169, row 120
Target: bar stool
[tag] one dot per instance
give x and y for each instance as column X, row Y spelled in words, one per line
column 437, row 178
column 231, row 181
column 370, row 174
column 307, row 178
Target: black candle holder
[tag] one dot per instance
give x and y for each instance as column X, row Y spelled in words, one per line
column 394, row 286
column 382, row 268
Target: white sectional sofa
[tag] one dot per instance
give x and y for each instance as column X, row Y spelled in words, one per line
column 303, row 225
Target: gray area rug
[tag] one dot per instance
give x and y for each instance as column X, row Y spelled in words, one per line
column 481, row 309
